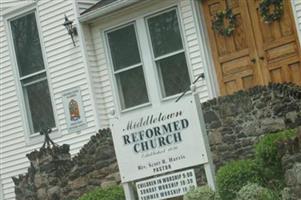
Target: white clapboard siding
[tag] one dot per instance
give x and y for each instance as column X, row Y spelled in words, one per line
column 100, row 74
column 9, row 108
column 66, row 70
column 85, row 4
column 8, row 4
column 192, row 46
column 97, row 67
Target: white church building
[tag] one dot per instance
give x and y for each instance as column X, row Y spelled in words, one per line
column 124, row 56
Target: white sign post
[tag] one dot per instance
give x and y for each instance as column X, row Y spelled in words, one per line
column 160, row 140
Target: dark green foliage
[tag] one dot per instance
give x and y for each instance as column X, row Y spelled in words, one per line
column 234, row 175
column 268, row 157
column 109, row 193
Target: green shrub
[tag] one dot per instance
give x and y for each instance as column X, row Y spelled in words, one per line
column 109, row 193
column 253, row 191
column 268, row 158
column 201, row 193
column 234, row 175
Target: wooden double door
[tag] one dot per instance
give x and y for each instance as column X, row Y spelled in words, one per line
column 257, row 52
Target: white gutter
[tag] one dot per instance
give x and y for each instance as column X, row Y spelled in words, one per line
column 106, row 9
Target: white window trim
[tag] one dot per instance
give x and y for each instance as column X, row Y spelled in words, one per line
column 159, row 79
column 113, row 73
column 139, row 18
column 18, row 12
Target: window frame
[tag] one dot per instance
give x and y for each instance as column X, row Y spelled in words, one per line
column 159, row 77
column 138, row 16
column 31, row 137
column 117, row 87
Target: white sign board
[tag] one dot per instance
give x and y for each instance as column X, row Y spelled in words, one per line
column 167, row 186
column 159, row 140
column 74, row 112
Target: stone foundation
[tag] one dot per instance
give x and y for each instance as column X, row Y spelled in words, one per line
column 53, row 175
column 234, row 124
column 291, row 163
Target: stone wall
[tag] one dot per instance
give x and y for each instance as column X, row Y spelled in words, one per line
column 53, row 175
column 234, row 123
column 291, row 163
column 293, row 179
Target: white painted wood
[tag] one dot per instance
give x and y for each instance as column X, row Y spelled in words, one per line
column 193, row 47
column 101, row 11
column 83, row 45
column 85, row 4
column 209, row 166
column 6, row 5
column 203, row 41
column 66, row 69
column 128, row 191
column 98, row 61
column 1, row 190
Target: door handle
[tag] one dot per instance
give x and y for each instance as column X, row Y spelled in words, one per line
column 253, row 60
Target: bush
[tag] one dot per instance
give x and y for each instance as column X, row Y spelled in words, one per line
column 287, row 194
column 109, row 193
column 201, row 193
column 253, row 191
column 234, row 175
column 267, row 156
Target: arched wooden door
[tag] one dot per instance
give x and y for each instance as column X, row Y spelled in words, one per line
column 257, row 53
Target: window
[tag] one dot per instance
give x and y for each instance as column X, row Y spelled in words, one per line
column 169, row 54
column 127, row 66
column 163, row 56
column 32, row 73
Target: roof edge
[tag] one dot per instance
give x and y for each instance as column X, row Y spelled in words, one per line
column 106, row 9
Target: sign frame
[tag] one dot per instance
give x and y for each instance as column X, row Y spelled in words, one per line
column 159, row 140
column 208, row 165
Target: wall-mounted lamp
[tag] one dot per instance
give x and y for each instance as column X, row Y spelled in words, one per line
column 70, row 28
